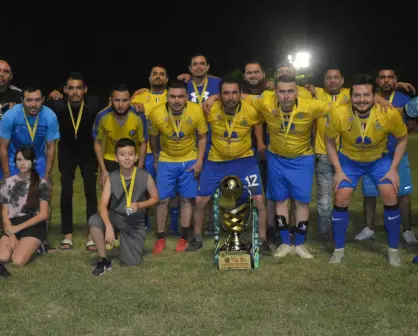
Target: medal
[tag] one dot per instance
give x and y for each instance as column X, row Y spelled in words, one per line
column 128, row 209
column 363, row 129
column 177, row 127
column 229, row 124
column 80, row 114
column 289, row 123
column 32, row 131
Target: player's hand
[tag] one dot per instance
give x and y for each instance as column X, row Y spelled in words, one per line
column 385, row 104
column 11, row 105
column 338, row 178
column 393, row 176
column 408, row 87
column 139, row 107
column 311, row 89
column 197, row 168
column 139, row 91
column 12, row 230
column 103, row 176
column 261, row 148
column 184, row 77
column 12, row 242
column 55, row 95
column 136, row 206
column 110, row 235
column 207, row 104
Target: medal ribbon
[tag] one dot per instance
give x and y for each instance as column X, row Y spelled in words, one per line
column 177, row 128
column 289, row 124
column 80, row 114
column 32, row 131
column 230, row 125
column 200, row 96
column 131, row 188
column 363, row 130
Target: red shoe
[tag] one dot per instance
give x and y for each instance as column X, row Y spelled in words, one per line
column 159, row 246
column 181, row 245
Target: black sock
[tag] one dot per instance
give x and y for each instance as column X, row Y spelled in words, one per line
column 160, row 235
column 184, row 232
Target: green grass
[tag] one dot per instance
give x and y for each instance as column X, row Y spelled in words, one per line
column 183, row 294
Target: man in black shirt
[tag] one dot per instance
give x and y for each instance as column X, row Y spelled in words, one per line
column 76, row 113
column 9, row 94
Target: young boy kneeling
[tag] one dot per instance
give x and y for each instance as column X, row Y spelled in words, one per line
column 127, row 194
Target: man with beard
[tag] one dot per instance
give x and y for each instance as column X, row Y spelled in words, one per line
column 9, row 94
column 363, row 129
column 387, row 81
column 118, row 121
column 231, row 153
column 76, row 113
column 30, row 123
column 180, row 125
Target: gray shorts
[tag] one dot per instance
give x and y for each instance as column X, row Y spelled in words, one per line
column 132, row 239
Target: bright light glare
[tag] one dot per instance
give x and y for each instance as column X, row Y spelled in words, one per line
column 302, row 60
column 289, row 58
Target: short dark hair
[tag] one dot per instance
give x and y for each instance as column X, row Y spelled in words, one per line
column 76, row 76
column 285, row 79
column 390, row 69
column 286, row 64
column 120, row 88
column 229, row 81
column 334, row 67
column 253, row 62
column 363, row 79
column 196, row 54
column 177, row 84
column 158, row 66
column 124, row 142
column 30, row 89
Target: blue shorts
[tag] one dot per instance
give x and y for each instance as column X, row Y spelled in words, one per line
column 289, row 177
column 405, row 185
column 246, row 169
column 354, row 170
column 173, row 177
column 149, row 165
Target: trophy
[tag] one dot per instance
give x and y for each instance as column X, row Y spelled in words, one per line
column 234, row 213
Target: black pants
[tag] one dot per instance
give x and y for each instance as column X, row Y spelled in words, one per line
column 67, row 164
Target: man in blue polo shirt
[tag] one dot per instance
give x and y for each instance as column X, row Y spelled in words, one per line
column 386, row 81
column 29, row 123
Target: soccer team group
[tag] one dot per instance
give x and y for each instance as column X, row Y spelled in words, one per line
column 172, row 144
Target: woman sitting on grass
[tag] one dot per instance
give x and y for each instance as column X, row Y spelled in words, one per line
column 24, row 212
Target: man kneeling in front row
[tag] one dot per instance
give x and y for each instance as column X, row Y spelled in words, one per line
column 123, row 206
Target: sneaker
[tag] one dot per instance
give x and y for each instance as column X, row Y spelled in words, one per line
column 264, row 248
column 302, row 252
column 282, row 251
column 181, row 245
column 3, row 271
column 194, row 245
column 364, row 234
column 159, row 246
column 103, row 265
column 337, row 256
column 409, row 237
column 394, row 258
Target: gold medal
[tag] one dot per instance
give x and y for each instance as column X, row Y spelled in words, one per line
column 129, row 194
column 32, row 131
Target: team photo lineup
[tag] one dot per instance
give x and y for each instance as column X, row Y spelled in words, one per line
column 162, row 152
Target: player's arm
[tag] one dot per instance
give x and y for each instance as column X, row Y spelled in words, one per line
column 104, row 213
column 408, row 87
column 152, row 134
column 98, row 135
column 50, row 158
column 6, row 126
column 153, row 196
column 202, row 130
column 142, row 138
column 400, row 132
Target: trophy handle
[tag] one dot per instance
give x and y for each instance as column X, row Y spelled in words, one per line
column 216, row 226
column 253, row 212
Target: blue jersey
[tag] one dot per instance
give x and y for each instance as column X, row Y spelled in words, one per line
column 212, row 88
column 399, row 101
column 13, row 128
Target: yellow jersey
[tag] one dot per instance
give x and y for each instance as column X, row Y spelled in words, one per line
column 364, row 139
column 177, row 134
column 322, row 95
column 231, row 135
column 107, row 128
column 290, row 132
column 150, row 100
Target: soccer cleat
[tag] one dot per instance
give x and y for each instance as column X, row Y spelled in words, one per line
column 394, row 258
column 282, row 251
column 302, row 252
column 194, row 245
column 409, row 237
column 337, row 256
column 159, row 246
column 364, row 234
column 181, row 245
column 3, row 271
column 103, row 265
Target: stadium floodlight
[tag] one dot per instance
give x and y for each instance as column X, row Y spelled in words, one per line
column 302, row 60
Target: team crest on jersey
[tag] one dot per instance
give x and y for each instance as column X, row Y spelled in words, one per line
column 132, row 132
column 189, row 121
column 219, row 117
column 377, row 125
column 165, row 119
column 350, row 119
column 274, row 113
column 244, row 122
column 300, row 115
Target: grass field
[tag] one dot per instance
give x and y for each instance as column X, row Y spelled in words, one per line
column 183, row 294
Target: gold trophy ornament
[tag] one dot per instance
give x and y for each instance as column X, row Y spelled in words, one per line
column 234, row 211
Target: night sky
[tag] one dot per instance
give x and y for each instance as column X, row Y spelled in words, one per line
column 44, row 43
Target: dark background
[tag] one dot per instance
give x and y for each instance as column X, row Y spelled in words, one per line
column 119, row 41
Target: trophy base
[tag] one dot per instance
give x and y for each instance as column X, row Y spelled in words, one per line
column 234, row 261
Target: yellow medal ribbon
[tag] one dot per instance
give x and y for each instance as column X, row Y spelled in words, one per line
column 32, row 131
column 230, row 126
column 363, row 130
column 177, row 128
column 200, row 96
column 80, row 114
column 289, row 124
column 392, row 96
column 131, row 188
